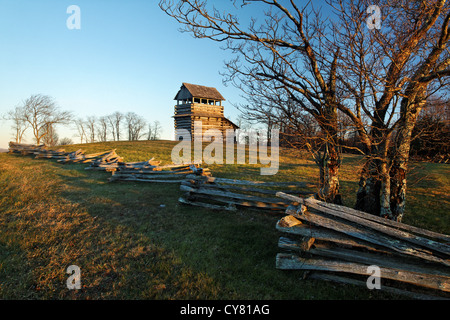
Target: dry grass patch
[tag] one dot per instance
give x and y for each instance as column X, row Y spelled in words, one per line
column 42, row 233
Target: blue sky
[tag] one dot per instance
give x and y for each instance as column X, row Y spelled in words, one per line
column 127, row 56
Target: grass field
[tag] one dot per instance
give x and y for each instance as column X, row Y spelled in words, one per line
column 135, row 241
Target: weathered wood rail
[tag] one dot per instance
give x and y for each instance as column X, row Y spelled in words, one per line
column 319, row 236
column 115, row 165
column 227, row 194
column 50, row 154
column 145, row 172
column 106, row 162
column 25, row 149
column 79, row 156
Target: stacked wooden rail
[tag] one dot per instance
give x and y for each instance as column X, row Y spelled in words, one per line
column 111, row 164
column 110, row 161
column 39, row 151
column 25, row 149
column 227, row 194
column 146, row 172
column 79, row 156
column 50, row 154
column 324, row 238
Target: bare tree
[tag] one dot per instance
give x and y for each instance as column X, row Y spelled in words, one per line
column 135, row 126
column 19, row 125
column 280, row 55
column 154, row 130
column 51, row 138
column 112, row 125
column 91, row 128
column 102, row 129
column 431, row 135
column 97, row 128
column 157, row 130
column 150, row 132
column 115, row 122
column 387, row 75
column 41, row 114
column 339, row 64
column 81, row 128
column 299, row 129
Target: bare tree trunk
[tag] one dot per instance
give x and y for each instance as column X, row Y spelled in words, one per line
column 368, row 194
column 398, row 189
column 385, row 190
column 374, row 193
column 116, row 121
column 329, row 162
column 400, row 161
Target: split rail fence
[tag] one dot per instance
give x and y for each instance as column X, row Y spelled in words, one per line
column 110, row 161
column 100, row 159
column 342, row 242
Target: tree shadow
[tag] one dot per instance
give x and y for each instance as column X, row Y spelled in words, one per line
column 222, row 245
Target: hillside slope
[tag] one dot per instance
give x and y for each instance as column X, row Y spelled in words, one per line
column 135, row 241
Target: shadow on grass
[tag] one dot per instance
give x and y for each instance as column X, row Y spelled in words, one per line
column 237, row 250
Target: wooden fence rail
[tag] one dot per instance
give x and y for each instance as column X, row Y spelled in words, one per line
column 153, row 173
column 227, row 194
column 319, row 236
column 25, row 149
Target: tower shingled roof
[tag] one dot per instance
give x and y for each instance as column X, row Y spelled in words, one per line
column 199, row 91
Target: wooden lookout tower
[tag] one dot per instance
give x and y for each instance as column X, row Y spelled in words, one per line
column 200, row 103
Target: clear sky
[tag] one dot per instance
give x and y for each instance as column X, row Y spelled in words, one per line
column 127, row 56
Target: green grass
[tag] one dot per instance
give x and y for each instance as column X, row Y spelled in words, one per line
column 135, row 241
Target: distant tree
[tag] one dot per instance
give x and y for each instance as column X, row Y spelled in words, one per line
column 102, row 129
column 431, row 134
column 51, row 138
column 91, row 128
column 19, row 125
column 135, row 125
column 41, row 113
column 112, row 126
column 115, row 121
column 80, row 124
column 65, row 141
column 154, row 130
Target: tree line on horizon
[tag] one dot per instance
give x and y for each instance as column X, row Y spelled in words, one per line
column 41, row 115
